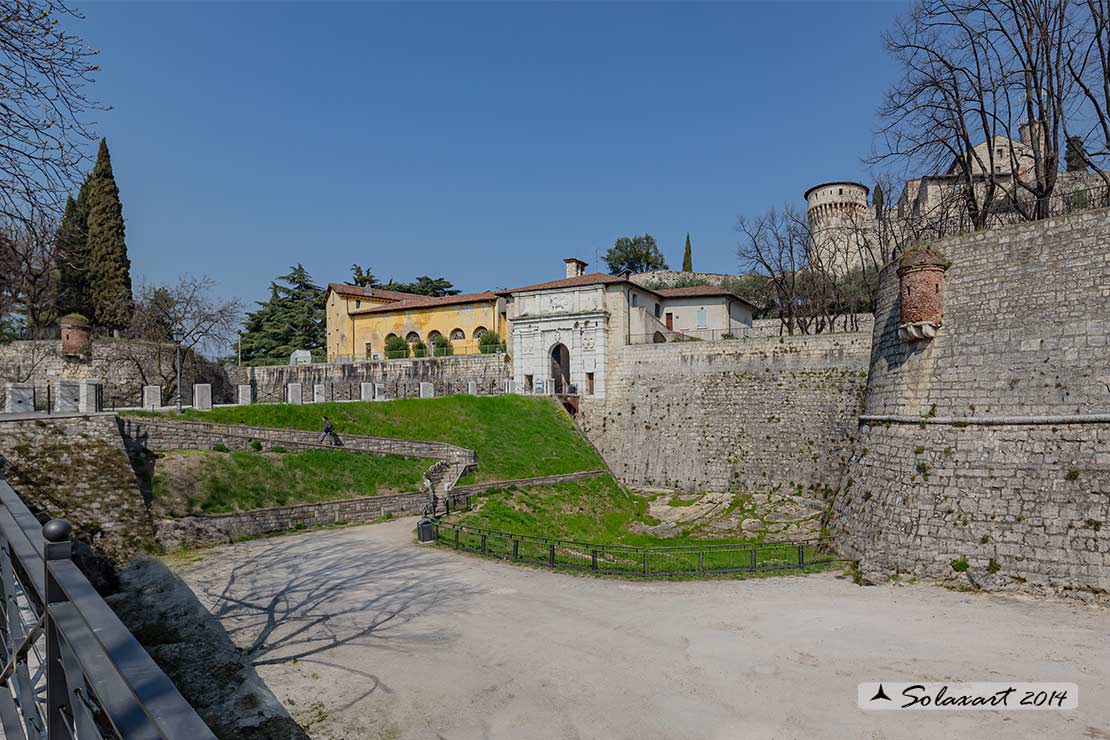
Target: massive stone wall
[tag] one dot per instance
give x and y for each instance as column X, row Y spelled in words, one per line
column 76, row 468
column 985, row 453
column 123, row 366
column 754, row 415
column 402, row 378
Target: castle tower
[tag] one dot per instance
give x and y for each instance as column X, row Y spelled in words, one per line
column 841, row 224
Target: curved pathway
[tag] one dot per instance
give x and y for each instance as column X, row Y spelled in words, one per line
column 363, row 634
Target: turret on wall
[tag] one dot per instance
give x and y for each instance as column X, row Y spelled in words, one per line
column 921, row 279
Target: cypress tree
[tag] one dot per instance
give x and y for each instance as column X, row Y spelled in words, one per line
column 72, row 257
column 877, row 200
column 108, row 262
column 688, row 257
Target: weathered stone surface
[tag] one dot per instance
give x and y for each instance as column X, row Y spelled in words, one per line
column 244, row 394
column 76, row 468
column 152, row 396
column 88, row 396
column 1023, row 503
column 19, row 398
column 741, row 415
column 66, row 396
column 427, row 390
column 294, row 394
column 400, row 378
column 471, row 388
column 202, row 397
column 319, row 393
column 366, row 391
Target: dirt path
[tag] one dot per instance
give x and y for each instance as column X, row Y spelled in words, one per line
column 364, row 635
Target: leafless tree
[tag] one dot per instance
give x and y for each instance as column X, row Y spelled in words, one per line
column 1088, row 68
column 44, row 71
column 27, row 270
column 974, row 70
column 187, row 314
column 776, row 246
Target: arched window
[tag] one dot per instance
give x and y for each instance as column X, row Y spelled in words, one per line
column 457, row 335
column 389, row 336
column 479, row 332
column 433, row 336
column 412, row 337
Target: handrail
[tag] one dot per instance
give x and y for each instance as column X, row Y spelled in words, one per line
column 70, row 667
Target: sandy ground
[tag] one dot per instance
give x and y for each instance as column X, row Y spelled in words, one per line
column 363, row 634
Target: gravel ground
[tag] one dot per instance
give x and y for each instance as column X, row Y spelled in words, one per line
column 362, row 634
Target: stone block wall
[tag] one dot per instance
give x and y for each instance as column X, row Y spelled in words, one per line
column 984, row 454
column 158, row 435
column 400, row 378
column 122, row 366
column 76, row 468
column 749, row 415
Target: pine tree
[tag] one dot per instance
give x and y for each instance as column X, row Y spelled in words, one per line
column 108, row 263
column 687, row 257
column 291, row 319
column 72, row 257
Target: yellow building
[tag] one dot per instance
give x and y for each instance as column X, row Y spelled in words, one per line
column 361, row 320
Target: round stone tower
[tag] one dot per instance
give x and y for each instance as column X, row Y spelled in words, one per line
column 76, row 335
column 838, row 215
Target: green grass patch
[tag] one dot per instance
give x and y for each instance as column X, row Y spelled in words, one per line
column 514, row 436
column 594, row 510
column 219, row 483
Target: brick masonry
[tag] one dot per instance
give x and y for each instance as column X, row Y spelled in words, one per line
column 756, row 415
column 990, row 444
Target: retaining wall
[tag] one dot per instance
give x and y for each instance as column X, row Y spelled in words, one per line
column 755, row 414
column 985, row 453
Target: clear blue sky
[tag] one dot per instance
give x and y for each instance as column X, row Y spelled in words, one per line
column 483, row 143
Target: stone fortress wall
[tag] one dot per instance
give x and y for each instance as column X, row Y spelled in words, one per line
column 746, row 414
column 985, row 453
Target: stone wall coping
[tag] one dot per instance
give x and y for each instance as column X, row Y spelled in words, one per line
column 988, row 420
column 49, row 416
column 252, row 432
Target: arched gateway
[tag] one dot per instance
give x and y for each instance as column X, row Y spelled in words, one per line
column 560, row 367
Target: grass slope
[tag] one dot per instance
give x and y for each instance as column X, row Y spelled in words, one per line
column 220, row 482
column 514, row 436
column 595, row 510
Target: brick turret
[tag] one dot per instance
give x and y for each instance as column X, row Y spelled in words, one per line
column 921, row 277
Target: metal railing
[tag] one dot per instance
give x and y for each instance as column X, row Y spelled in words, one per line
column 70, row 667
column 685, row 560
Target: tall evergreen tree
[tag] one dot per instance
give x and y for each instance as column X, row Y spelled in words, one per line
column 291, row 319
column 687, row 256
column 72, row 257
column 108, row 263
column 877, row 200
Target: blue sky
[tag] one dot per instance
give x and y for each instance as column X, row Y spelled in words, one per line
column 481, row 142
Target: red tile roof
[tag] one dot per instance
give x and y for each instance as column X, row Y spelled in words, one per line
column 374, row 293
column 590, row 278
column 411, row 301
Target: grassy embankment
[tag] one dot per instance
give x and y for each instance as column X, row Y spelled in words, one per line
column 514, row 436
column 219, row 482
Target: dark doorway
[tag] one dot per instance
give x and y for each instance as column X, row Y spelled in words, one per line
column 560, row 367
column 670, row 321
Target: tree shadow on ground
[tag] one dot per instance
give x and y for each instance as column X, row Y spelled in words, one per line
column 305, row 599
column 198, row 655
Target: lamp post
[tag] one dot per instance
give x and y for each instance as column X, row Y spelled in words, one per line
column 177, row 337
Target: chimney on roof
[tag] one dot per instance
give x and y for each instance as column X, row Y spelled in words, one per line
column 575, row 267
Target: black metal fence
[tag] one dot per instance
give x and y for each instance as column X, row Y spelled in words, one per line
column 685, row 560
column 70, row 667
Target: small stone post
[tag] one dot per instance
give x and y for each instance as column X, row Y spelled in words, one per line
column 67, row 396
column 88, row 396
column 202, row 397
column 319, row 394
column 246, row 397
column 471, row 388
column 379, row 391
column 19, row 398
column 366, row 391
column 152, row 396
column 294, row 394
column 427, row 390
